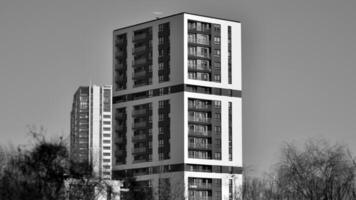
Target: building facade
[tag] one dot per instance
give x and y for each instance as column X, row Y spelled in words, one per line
column 177, row 105
column 90, row 134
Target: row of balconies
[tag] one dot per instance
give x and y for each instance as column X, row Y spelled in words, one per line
column 193, row 28
column 197, row 106
column 142, row 36
column 200, row 133
column 139, row 150
column 200, row 198
column 199, row 146
column 199, row 41
column 199, row 54
column 199, row 68
column 199, row 119
column 193, row 185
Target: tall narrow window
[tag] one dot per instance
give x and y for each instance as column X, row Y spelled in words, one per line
column 229, row 55
column 230, row 131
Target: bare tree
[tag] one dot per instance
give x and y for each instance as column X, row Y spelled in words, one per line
column 321, row 171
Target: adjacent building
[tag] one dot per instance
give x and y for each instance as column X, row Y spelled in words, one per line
column 90, row 134
column 177, row 106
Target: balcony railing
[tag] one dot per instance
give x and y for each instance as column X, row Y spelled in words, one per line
column 201, row 29
column 199, row 198
column 139, row 74
column 139, row 125
column 199, row 119
column 199, row 68
column 199, row 106
column 120, row 116
column 139, row 150
column 139, row 61
column 199, row 41
column 120, row 41
column 140, row 36
column 120, row 153
column 199, row 146
column 120, row 140
column 200, row 133
column 139, row 137
column 120, row 127
column 139, row 49
column 200, row 185
column 203, row 55
column 119, row 66
column 139, row 112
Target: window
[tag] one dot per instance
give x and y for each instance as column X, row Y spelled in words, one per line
column 217, row 129
column 106, row 160
column 160, row 66
column 160, row 52
column 161, row 117
column 217, row 77
column 217, row 156
column 161, row 156
column 161, row 143
column 106, row 154
column 160, row 40
column 107, row 116
column 106, row 129
column 216, row 27
column 107, row 122
column 217, row 104
column 217, row 52
column 161, row 78
column 217, row 40
column 161, row 130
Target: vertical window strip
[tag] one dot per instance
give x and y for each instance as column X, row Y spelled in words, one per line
column 229, row 55
column 230, row 131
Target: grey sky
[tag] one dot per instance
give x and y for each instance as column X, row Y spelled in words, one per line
column 299, row 73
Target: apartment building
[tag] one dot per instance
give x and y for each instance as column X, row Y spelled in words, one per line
column 90, row 129
column 177, row 105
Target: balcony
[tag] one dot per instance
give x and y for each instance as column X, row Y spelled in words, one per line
column 138, row 62
column 120, row 67
column 200, row 198
column 120, row 153
column 199, row 106
column 199, row 119
column 200, row 54
column 139, row 150
column 199, row 41
column 139, row 137
column 139, row 112
column 140, row 36
column 120, row 116
column 201, row 68
column 200, row 186
column 138, row 125
column 120, row 140
column 139, row 74
column 139, row 49
column 199, row 133
column 120, row 127
column 198, row 29
column 120, row 42
column 199, row 146
column 120, row 54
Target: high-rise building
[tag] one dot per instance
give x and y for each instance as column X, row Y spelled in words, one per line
column 177, row 105
column 90, row 134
